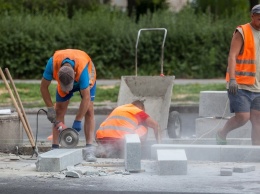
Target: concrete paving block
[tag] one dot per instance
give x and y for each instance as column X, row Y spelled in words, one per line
column 220, row 153
column 207, row 128
column 240, row 153
column 244, row 168
column 149, row 166
column 193, row 152
column 214, row 104
column 172, row 162
column 132, row 152
column 226, row 172
column 58, row 159
column 227, row 167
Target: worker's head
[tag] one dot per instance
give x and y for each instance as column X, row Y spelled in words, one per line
column 66, row 77
column 139, row 104
column 255, row 17
column 256, row 9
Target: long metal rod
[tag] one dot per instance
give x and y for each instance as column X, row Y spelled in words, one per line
column 162, row 51
column 17, row 109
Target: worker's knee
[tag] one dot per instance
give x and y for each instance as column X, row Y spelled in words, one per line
column 242, row 118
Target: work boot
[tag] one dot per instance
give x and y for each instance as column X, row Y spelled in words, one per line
column 220, row 141
column 89, row 154
column 55, row 146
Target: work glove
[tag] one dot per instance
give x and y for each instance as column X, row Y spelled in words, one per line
column 233, row 87
column 51, row 114
column 77, row 125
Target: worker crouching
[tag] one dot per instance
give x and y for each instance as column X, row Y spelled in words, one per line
column 125, row 119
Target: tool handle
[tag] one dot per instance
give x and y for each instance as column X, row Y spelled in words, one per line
column 162, row 51
column 20, row 104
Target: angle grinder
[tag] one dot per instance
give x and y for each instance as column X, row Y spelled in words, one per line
column 68, row 137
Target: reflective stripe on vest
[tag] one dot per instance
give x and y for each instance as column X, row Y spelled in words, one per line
column 120, row 128
column 121, row 121
column 245, row 69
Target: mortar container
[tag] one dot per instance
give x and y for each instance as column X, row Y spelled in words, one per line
column 11, row 133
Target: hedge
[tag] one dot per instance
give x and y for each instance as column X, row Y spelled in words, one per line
column 196, row 46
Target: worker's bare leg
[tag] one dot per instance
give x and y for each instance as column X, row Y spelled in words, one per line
column 89, row 127
column 89, row 124
column 234, row 122
column 255, row 120
column 61, row 108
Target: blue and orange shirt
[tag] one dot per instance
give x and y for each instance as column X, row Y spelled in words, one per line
column 85, row 73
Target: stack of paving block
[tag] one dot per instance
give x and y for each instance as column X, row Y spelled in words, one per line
column 216, row 153
column 169, row 162
column 214, row 111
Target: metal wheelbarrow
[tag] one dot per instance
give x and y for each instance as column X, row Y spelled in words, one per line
column 156, row 91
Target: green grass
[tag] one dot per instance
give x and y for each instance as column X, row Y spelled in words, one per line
column 189, row 93
column 31, row 97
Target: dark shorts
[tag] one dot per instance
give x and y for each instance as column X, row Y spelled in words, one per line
column 70, row 94
column 244, row 101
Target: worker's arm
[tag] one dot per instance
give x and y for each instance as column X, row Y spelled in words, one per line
column 84, row 104
column 155, row 126
column 51, row 114
column 45, row 92
column 235, row 48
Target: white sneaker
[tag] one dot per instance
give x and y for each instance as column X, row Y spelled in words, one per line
column 88, row 154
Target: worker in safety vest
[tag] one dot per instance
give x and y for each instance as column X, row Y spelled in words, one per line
column 125, row 119
column 74, row 71
column 243, row 79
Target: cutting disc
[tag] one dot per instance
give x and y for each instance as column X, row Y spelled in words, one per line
column 69, row 138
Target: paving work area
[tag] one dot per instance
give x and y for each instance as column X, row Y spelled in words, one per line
column 110, row 176
column 202, row 168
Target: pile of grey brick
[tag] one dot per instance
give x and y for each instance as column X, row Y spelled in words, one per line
column 228, row 171
column 213, row 114
column 169, row 162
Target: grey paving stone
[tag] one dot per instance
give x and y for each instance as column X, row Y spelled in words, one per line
column 172, row 162
column 244, row 168
column 207, row 128
column 193, row 152
column 219, row 153
column 214, row 104
column 58, row 159
column 226, row 171
column 132, row 152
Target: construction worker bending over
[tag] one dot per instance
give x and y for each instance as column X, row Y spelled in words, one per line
column 74, row 71
column 125, row 119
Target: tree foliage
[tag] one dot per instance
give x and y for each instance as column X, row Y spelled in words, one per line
column 220, row 7
column 196, row 46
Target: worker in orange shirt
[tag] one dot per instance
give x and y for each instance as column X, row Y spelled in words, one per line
column 125, row 119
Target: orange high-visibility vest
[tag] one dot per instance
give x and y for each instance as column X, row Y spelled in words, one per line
column 246, row 62
column 120, row 122
column 80, row 58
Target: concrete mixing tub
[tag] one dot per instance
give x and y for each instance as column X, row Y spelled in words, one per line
column 156, row 91
column 11, row 133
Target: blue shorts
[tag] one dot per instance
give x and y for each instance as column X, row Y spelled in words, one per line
column 244, row 101
column 70, row 94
